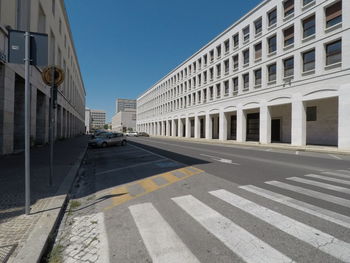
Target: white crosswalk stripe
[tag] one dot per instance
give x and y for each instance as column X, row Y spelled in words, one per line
column 326, row 178
column 241, row 242
column 320, row 240
column 312, row 193
column 321, row 185
column 163, row 246
column 325, row 214
column 338, row 174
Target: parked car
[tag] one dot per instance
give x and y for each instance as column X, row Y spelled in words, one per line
column 134, row 134
column 108, row 139
column 98, row 133
column 143, row 134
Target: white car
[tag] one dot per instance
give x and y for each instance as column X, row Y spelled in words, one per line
column 108, row 139
column 134, row 134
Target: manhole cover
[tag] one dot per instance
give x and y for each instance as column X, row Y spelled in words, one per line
column 6, row 252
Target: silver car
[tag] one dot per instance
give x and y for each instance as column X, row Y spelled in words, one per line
column 108, row 139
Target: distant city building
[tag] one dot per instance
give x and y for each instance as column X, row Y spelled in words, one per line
column 98, row 119
column 87, row 120
column 123, row 104
column 124, row 121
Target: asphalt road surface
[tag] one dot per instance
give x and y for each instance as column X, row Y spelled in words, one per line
column 172, row 201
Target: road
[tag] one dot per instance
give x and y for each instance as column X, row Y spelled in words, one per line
column 159, row 200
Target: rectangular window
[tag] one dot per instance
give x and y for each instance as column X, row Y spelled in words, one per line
column 218, row 70
column 205, row 77
column 272, row 42
column 258, row 26
column 288, row 7
column 288, row 67
column 311, row 113
column 199, row 63
column 218, row 51
column 258, row 49
column 211, row 54
column 334, row 14
column 211, row 73
column 272, row 17
column 309, row 60
column 246, row 33
column 236, row 40
column 235, row 84
column 272, row 71
column 235, row 62
column 205, row 60
column 246, row 81
column 227, row 66
column 218, row 90
column 257, row 75
column 227, row 46
column 246, row 57
column 309, row 26
column 288, row 36
column 334, row 52
column 306, row 2
column 226, row 87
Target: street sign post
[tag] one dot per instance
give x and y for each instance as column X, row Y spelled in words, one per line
column 29, row 49
column 52, row 76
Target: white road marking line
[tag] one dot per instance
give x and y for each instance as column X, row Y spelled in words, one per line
column 312, row 193
column 268, row 150
column 331, row 179
column 334, row 156
column 162, row 243
column 321, row 185
column 240, row 241
column 130, row 166
column 343, row 171
column 338, row 174
column 296, row 152
column 322, row 213
column 316, row 238
column 219, row 159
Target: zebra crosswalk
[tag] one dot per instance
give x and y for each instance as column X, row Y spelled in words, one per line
column 164, row 244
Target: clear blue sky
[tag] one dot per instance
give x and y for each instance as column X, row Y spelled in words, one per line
column 125, row 46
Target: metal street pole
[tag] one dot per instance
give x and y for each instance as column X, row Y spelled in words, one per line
column 27, row 122
column 52, row 123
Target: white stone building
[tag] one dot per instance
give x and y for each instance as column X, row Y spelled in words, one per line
column 124, row 120
column 44, row 16
column 87, row 120
column 279, row 74
column 98, row 119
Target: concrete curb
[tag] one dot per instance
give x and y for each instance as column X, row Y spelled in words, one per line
column 318, row 149
column 34, row 247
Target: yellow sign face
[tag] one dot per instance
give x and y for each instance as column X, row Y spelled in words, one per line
column 56, row 72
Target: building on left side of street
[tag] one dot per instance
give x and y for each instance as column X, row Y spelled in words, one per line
column 47, row 17
column 98, row 119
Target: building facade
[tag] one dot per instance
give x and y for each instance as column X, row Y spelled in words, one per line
column 279, row 74
column 123, row 104
column 98, row 119
column 87, row 120
column 48, row 17
column 124, row 121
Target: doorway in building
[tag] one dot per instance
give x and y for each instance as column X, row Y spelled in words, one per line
column 276, row 130
column 233, row 128
column 202, row 129
column 253, row 123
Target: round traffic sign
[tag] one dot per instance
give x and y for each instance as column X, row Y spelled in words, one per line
column 52, row 70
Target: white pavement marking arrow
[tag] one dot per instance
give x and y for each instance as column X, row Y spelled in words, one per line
column 220, row 159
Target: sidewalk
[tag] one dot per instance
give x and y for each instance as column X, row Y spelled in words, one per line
column 282, row 146
column 15, row 226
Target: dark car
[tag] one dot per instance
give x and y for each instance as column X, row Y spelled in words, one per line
column 143, row 134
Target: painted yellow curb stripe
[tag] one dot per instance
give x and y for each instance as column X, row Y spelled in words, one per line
column 122, row 193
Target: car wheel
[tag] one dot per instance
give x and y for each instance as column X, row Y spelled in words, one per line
column 104, row 145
